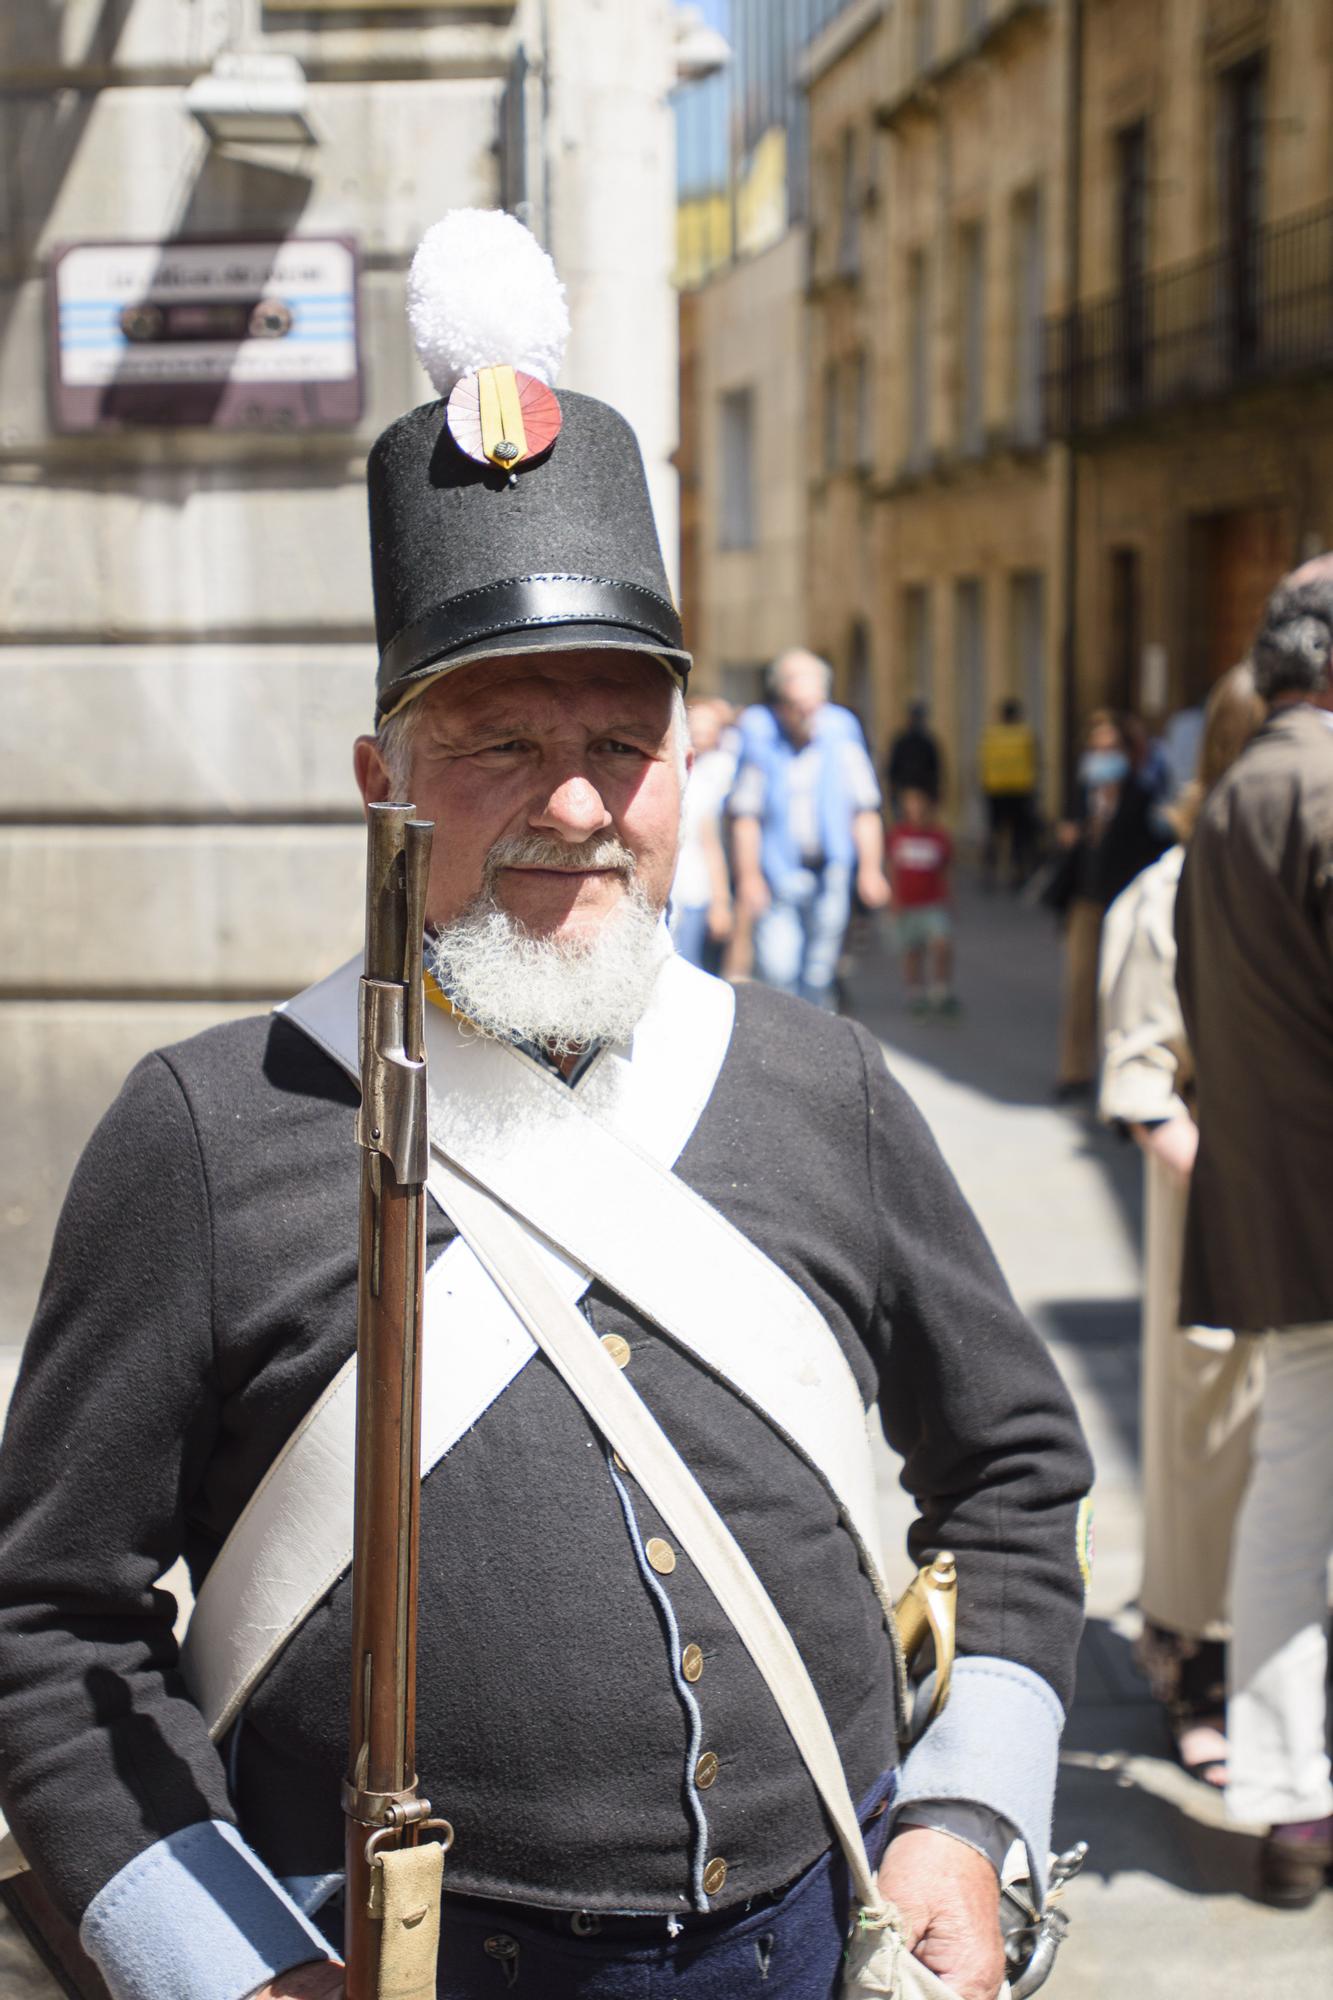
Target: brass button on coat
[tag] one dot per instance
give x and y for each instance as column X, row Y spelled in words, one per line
column 715, row 1876
column 705, row 1771
column 617, row 1348
column 692, row 1663
column 661, row 1555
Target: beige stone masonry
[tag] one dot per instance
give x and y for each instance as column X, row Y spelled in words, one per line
column 210, row 911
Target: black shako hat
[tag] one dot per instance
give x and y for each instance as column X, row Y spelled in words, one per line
column 505, row 519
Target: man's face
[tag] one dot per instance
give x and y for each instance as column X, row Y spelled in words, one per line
column 798, row 701
column 567, row 748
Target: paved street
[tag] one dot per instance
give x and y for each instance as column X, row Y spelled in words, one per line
column 1162, row 1905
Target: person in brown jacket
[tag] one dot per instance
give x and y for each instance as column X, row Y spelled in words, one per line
column 1254, row 929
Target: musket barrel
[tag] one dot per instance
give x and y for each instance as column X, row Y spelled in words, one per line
column 386, row 911
column 382, row 1808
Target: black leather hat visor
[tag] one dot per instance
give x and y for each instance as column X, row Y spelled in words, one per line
column 530, row 615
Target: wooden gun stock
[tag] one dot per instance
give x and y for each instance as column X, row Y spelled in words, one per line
column 387, row 1820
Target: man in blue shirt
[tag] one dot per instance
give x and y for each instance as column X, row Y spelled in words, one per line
column 806, row 807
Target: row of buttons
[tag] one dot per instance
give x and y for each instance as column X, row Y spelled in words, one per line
column 663, row 1559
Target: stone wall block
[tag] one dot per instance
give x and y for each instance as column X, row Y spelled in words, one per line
column 178, row 549
column 216, row 913
column 218, row 731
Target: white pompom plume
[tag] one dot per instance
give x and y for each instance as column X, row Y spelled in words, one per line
column 482, row 293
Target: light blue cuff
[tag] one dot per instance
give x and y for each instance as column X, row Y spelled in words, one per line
column 997, row 1744
column 200, row 1914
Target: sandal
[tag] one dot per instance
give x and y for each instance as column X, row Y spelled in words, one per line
column 1199, row 1746
column 1188, row 1676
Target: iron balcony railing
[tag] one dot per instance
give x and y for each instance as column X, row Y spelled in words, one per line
column 1257, row 310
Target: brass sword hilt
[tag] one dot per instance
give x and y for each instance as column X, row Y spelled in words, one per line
column 928, row 1609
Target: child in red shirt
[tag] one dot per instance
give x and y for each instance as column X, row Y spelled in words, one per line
column 919, row 854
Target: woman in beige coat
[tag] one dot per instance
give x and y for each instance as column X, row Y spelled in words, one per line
column 1199, row 1385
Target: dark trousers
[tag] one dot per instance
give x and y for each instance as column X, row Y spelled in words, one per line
column 1011, row 819
column 783, row 1947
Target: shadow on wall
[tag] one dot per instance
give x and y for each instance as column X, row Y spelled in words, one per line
column 41, row 134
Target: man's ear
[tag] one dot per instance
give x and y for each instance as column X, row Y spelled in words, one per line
column 372, row 773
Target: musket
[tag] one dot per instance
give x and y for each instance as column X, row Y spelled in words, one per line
column 394, row 1846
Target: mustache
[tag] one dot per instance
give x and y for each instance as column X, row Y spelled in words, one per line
column 536, row 850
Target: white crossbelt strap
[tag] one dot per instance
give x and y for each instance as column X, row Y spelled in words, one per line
column 293, row 1539
column 541, row 1148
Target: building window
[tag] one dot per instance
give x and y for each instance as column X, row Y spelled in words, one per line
column 918, row 645
column 969, row 694
column 832, row 417
column 1131, row 151
column 741, row 682
column 1029, row 276
column 918, row 361
column 861, row 681
column 736, row 442
column 923, row 33
column 1126, row 627
column 972, row 339
column 1241, row 176
column 1027, row 642
column 863, row 415
column 849, row 228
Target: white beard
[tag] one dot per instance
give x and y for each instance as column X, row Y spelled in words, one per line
column 560, row 993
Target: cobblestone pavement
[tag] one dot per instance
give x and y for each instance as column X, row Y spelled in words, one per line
column 1162, row 1908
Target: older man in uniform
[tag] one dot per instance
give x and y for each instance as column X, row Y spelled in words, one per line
column 631, row 1816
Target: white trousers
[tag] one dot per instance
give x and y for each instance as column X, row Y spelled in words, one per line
column 1276, row 1725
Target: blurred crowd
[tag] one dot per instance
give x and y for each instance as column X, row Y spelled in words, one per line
column 1216, row 986
column 1193, row 879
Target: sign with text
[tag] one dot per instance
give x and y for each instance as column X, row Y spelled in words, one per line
column 500, row 8
column 243, row 335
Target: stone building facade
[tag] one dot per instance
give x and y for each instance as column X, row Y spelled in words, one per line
column 1087, row 246
column 742, row 264
column 938, row 142
column 1194, row 382
column 747, row 471
column 186, row 645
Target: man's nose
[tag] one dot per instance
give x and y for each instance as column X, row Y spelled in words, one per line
column 574, row 810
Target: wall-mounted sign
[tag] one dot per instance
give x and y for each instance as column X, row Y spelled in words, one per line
column 498, row 7
column 236, row 335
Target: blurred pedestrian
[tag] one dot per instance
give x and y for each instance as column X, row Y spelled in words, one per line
column 914, row 760
column 806, row 828
column 1148, row 759
column 1110, row 837
column 701, row 905
column 1254, row 926
column 920, row 855
column 1182, row 745
column 1009, row 784
column 1198, row 1385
